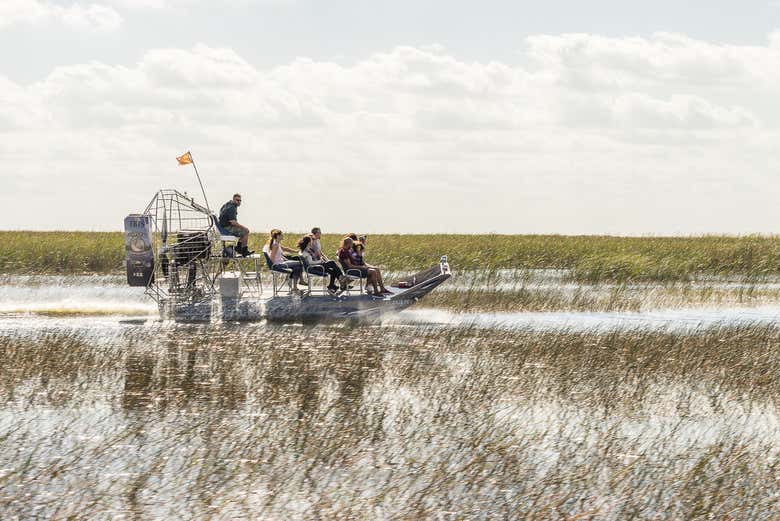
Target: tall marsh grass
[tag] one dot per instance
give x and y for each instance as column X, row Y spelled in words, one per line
column 590, row 258
column 61, row 253
column 389, row 423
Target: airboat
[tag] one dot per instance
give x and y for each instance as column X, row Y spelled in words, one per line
column 186, row 262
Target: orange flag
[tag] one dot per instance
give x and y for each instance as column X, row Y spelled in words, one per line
column 186, row 159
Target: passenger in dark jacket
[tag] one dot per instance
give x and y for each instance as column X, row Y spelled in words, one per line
column 228, row 219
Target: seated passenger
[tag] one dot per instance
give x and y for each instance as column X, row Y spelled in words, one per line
column 358, row 254
column 329, row 267
column 315, row 248
column 274, row 249
column 355, row 258
column 348, row 262
column 228, row 220
column 359, row 249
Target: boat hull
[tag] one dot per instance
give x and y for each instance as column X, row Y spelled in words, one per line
column 318, row 308
column 321, row 308
column 303, row 307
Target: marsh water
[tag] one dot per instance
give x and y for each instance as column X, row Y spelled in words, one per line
column 503, row 396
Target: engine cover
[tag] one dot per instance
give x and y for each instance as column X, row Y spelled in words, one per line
column 139, row 256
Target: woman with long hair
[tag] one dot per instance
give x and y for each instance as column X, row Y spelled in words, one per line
column 274, row 249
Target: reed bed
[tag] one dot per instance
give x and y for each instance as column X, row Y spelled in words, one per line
column 588, row 258
column 476, row 292
column 600, row 297
column 61, row 253
column 388, row 422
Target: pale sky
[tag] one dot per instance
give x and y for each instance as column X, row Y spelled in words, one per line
column 441, row 116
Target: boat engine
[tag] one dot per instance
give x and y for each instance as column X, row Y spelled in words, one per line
column 139, row 257
column 189, row 247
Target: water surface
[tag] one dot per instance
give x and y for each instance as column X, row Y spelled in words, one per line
column 107, row 412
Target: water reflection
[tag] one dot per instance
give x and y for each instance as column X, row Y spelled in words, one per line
column 190, row 369
column 262, row 421
column 139, row 381
column 281, row 369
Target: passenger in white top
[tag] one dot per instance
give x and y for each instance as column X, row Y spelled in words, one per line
column 274, row 250
column 315, row 247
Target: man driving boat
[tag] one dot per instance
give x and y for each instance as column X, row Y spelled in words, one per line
column 228, row 219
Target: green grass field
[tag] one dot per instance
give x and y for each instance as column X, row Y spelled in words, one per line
column 591, row 258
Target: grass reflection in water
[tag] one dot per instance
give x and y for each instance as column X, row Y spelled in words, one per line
column 394, row 421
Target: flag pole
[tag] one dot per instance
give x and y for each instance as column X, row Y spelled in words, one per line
column 199, row 182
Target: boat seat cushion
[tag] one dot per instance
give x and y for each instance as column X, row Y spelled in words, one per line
column 224, row 235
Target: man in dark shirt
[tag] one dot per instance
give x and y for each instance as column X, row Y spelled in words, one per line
column 228, row 219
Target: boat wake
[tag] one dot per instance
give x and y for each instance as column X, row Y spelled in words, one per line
column 72, row 296
column 109, row 296
column 678, row 320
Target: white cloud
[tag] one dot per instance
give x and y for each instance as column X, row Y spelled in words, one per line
column 189, row 4
column 679, row 112
column 139, row 4
column 590, row 128
column 599, row 62
column 78, row 16
column 774, row 39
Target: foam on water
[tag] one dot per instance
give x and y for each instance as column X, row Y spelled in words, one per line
column 109, row 295
column 77, row 295
column 679, row 320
